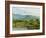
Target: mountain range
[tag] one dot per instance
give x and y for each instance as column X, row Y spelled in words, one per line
column 24, row 17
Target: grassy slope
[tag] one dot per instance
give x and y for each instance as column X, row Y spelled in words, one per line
column 29, row 24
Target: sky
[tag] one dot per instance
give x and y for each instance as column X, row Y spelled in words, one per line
column 26, row 11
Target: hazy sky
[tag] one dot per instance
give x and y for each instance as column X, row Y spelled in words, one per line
column 26, row 11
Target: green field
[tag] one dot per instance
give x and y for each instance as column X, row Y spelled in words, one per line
column 28, row 24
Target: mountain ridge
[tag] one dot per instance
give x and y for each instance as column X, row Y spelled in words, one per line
column 20, row 17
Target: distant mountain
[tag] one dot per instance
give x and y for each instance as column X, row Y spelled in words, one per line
column 24, row 17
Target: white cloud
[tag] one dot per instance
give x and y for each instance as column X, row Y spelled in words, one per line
column 26, row 11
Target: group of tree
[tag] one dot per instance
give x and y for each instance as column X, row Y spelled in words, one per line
column 29, row 24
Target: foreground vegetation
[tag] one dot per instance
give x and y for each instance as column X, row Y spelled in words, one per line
column 29, row 24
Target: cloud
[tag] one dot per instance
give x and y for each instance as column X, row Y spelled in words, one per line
column 26, row 11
